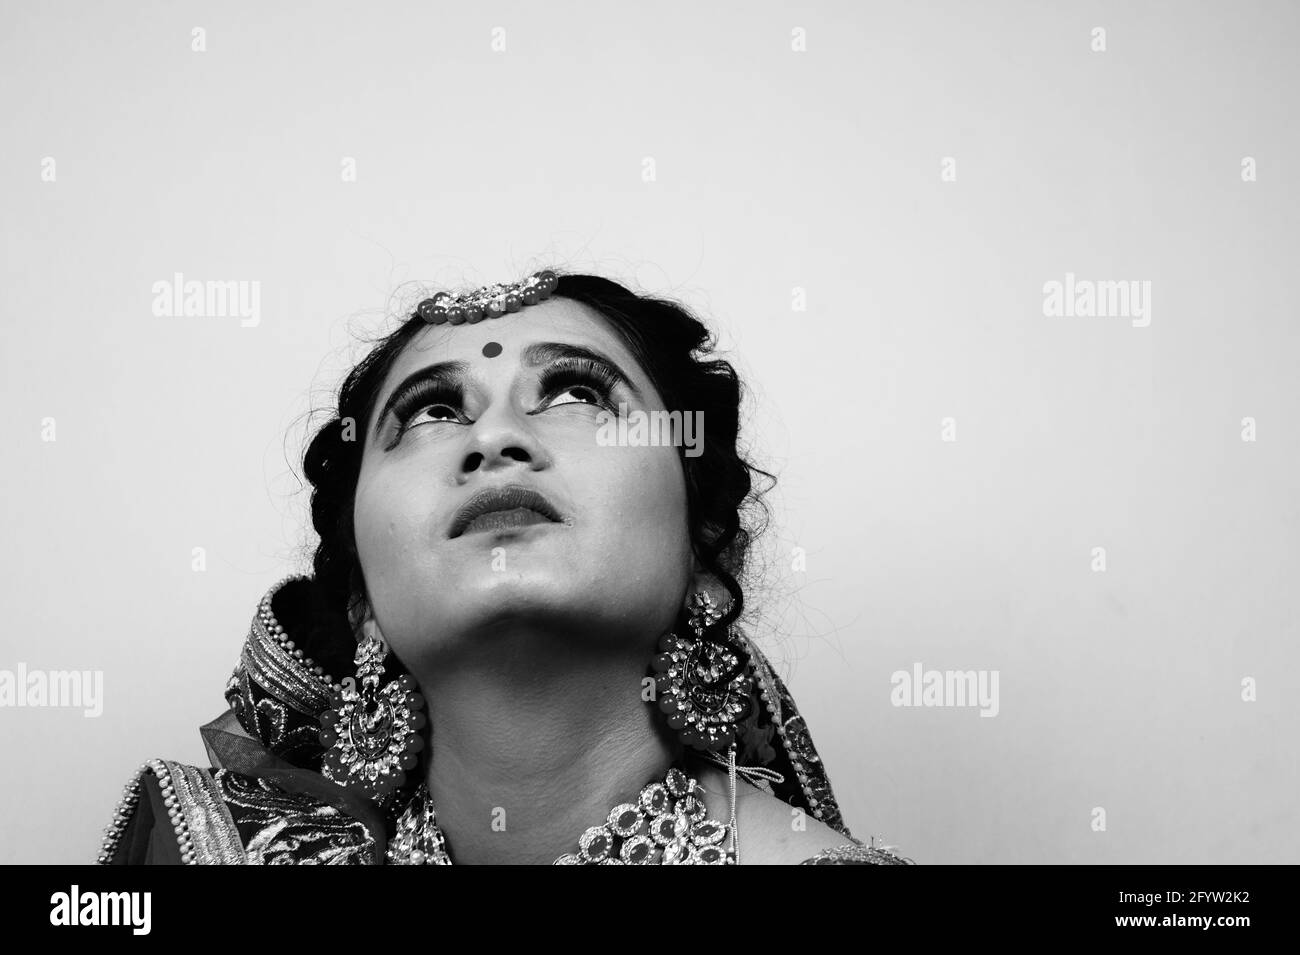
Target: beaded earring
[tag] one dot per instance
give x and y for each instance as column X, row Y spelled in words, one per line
column 371, row 734
column 703, row 686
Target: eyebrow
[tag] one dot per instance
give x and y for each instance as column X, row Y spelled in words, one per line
column 534, row 355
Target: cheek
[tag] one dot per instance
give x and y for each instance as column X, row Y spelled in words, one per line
column 391, row 518
column 638, row 509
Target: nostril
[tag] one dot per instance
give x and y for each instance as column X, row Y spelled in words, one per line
column 492, row 457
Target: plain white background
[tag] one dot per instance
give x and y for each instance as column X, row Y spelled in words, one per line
column 775, row 169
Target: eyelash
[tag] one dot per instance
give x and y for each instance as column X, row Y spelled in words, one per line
column 559, row 376
column 421, row 395
column 581, row 372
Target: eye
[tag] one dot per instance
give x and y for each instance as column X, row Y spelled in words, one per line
column 427, row 402
column 584, row 382
column 585, row 394
column 437, row 412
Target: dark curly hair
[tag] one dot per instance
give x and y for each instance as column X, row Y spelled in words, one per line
column 725, row 509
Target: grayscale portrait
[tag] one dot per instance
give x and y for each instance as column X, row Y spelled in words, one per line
column 597, row 434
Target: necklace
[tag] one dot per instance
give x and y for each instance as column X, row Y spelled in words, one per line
column 668, row 824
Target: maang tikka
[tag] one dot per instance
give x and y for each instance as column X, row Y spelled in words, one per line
column 703, row 686
column 371, row 734
column 490, row 301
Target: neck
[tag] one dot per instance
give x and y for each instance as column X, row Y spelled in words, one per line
column 530, row 747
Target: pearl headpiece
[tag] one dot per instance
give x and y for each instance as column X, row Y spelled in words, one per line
column 490, row 301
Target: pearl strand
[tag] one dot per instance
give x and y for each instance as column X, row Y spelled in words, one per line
column 126, row 809
column 273, row 627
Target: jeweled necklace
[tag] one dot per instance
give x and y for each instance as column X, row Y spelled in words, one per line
column 667, row 825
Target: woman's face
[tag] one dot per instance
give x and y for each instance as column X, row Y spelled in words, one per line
column 516, row 402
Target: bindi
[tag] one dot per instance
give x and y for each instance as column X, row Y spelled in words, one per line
column 491, row 349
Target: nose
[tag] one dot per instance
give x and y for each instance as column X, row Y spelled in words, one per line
column 501, row 439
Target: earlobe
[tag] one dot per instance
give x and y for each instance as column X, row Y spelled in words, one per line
column 369, row 631
column 359, row 613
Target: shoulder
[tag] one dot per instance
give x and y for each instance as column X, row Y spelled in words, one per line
column 774, row 833
column 163, row 807
column 856, row 853
column 171, row 813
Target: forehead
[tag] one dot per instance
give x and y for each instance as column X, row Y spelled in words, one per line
column 554, row 320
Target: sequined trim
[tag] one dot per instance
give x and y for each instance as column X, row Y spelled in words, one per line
column 272, row 659
column 211, row 827
column 798, row 744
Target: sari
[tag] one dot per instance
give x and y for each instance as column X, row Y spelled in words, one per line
column 263, row 799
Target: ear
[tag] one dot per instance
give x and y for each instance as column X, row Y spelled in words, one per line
column 369, row 629
column 361, row 617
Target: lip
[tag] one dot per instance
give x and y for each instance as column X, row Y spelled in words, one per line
column 508, row 497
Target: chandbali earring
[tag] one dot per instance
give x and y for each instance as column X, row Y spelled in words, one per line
column 371, row 734
column 703, row 686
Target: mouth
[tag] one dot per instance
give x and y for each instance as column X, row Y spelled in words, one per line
column 503, row 507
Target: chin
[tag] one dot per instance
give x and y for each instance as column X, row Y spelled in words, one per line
column 535, row 592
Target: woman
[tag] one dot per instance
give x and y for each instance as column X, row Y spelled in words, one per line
column 519, row 614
